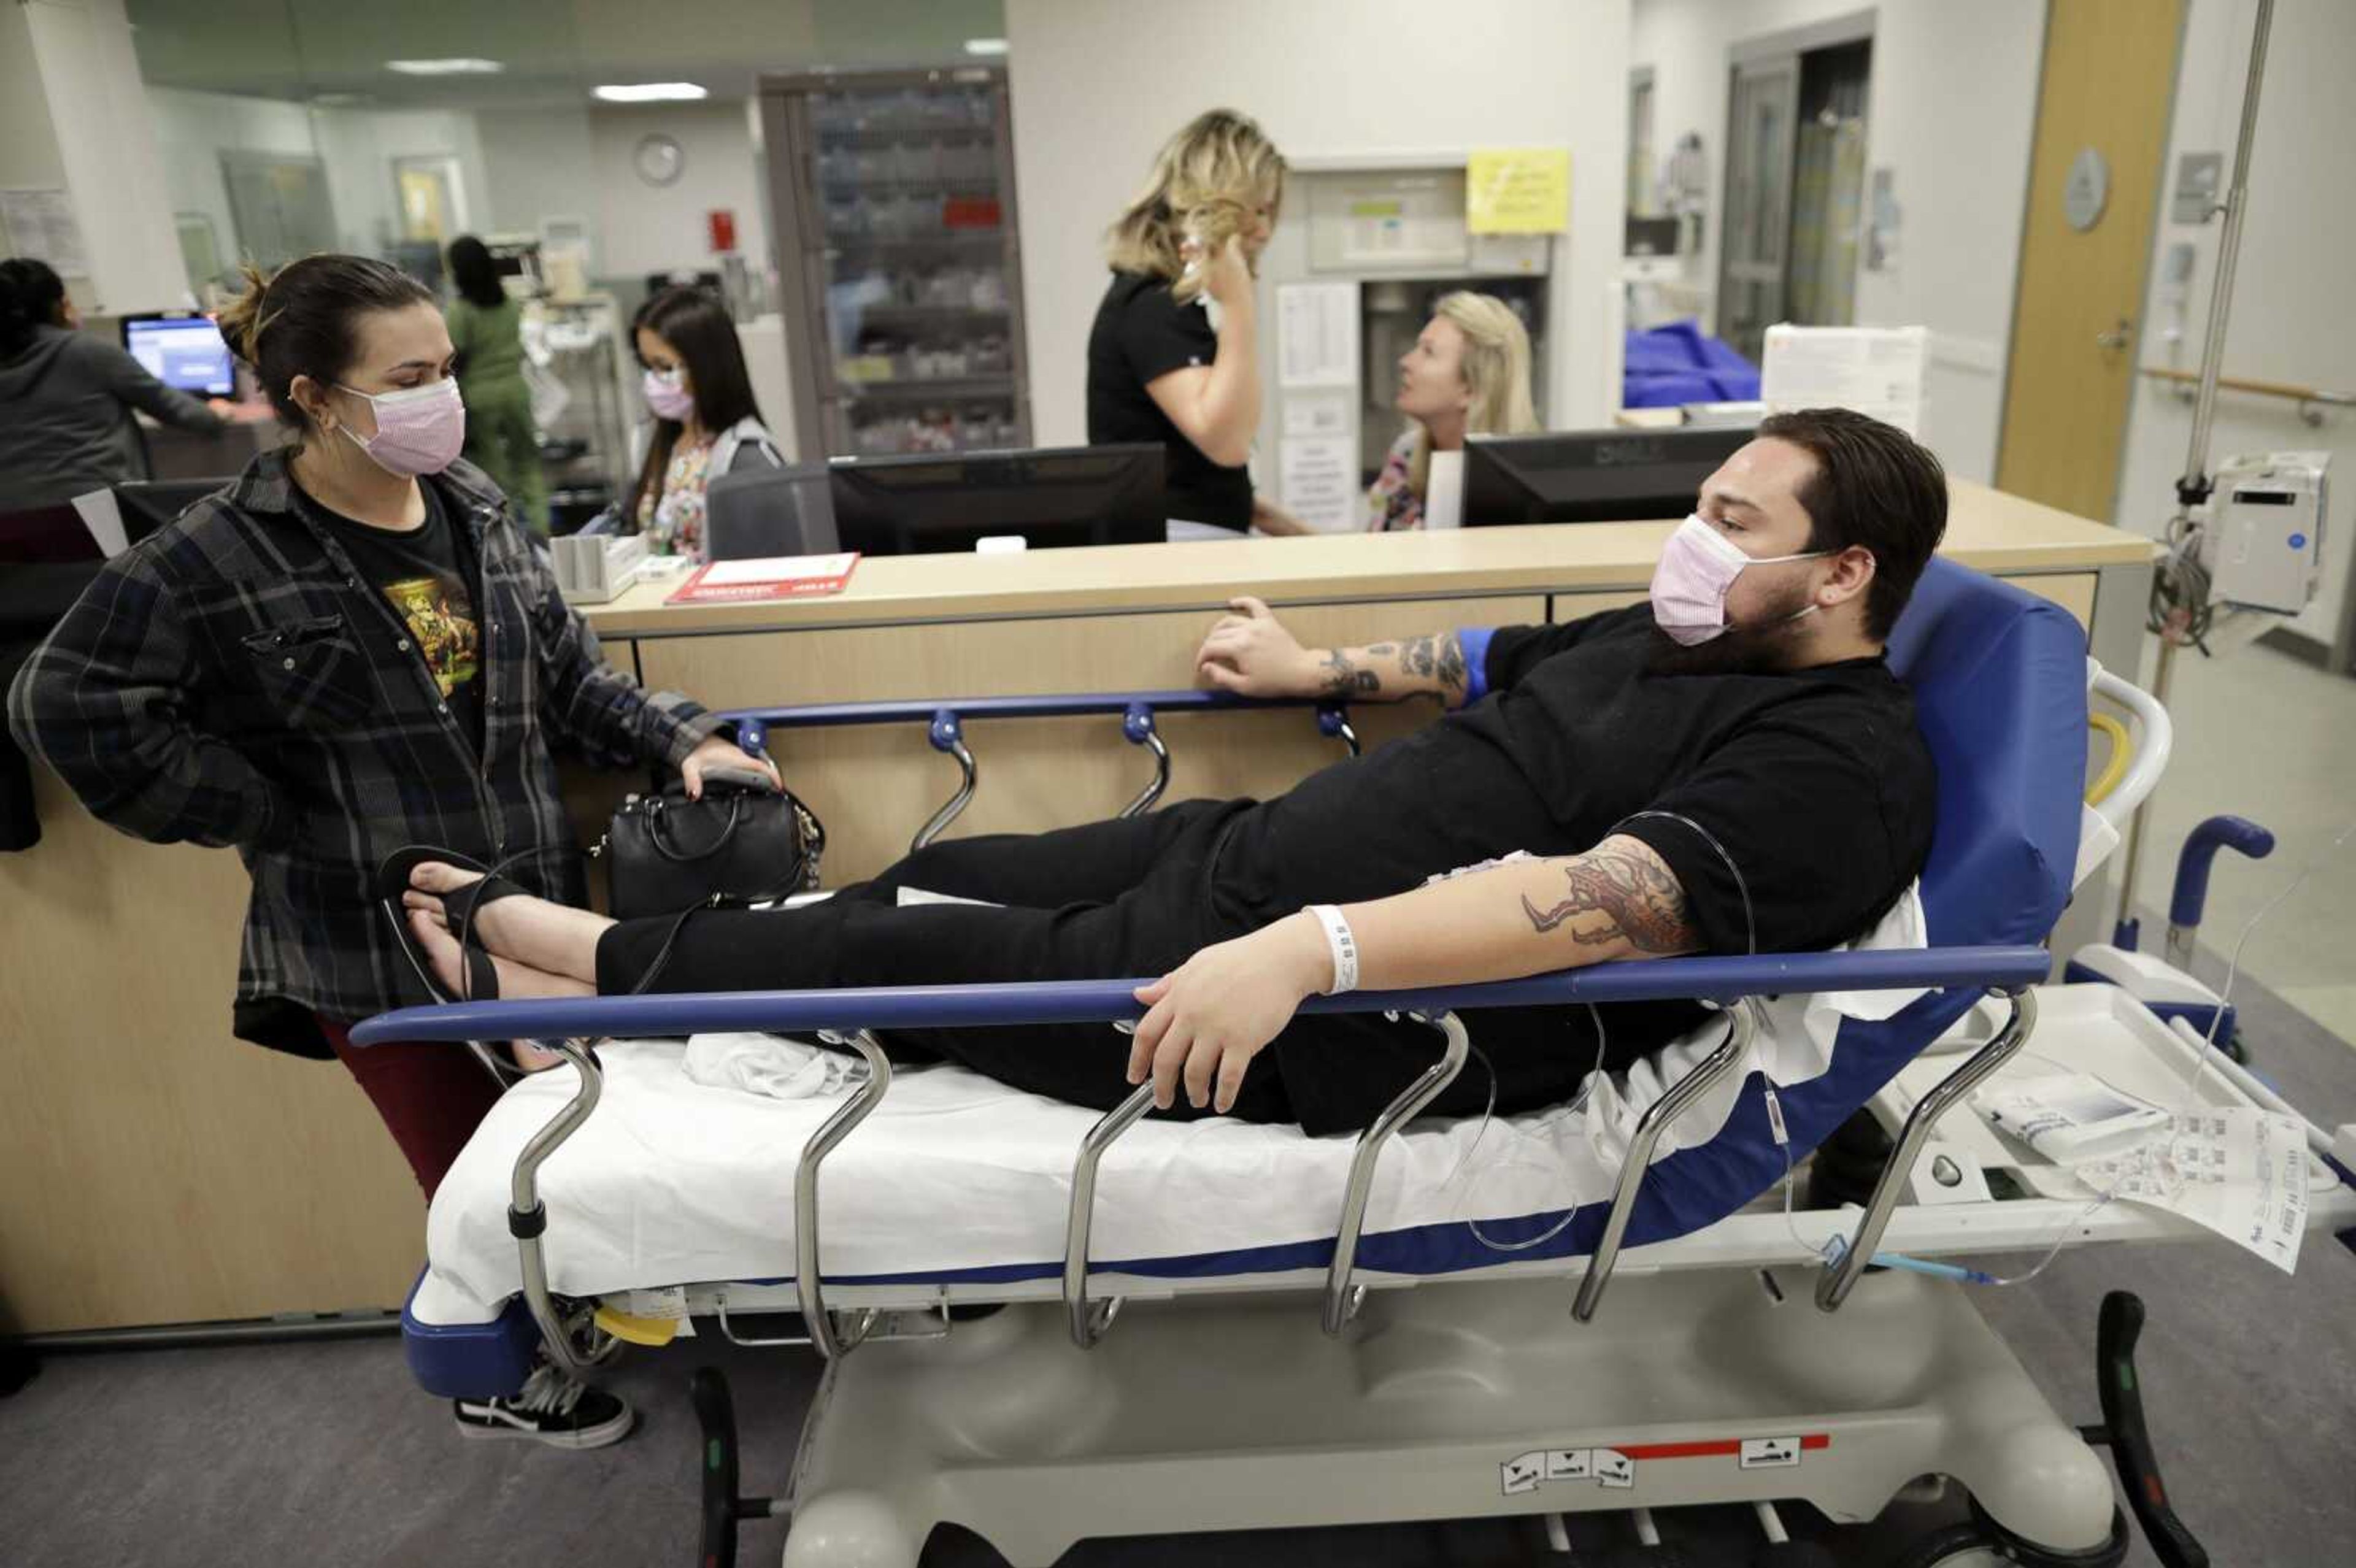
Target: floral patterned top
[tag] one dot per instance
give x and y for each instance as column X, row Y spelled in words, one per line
column 1393, row 505
column 672, row 520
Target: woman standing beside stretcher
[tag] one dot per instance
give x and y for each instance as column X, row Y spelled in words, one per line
column 351, row 648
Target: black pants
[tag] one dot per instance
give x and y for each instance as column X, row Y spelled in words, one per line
column 1111, row 899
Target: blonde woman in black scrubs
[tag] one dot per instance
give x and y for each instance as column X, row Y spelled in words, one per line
column 1174, row 355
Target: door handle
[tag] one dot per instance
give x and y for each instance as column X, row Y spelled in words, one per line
column 2117, row 337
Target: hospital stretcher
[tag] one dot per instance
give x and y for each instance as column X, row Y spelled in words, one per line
column 1210, row 1326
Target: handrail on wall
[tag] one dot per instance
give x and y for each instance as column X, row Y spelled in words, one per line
column 2311, row 400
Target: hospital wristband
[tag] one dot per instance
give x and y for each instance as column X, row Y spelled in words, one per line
column 1342, row 944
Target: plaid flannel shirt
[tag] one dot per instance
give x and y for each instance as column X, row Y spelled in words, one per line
column 234, row 680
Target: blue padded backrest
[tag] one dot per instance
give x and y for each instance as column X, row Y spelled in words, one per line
column 1999, row 684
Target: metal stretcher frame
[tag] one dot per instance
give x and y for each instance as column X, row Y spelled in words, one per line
column 850, row 1014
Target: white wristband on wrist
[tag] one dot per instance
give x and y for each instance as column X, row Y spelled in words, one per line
column 1342, row 944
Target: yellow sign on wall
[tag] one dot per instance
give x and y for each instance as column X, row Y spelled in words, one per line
column 1518, row 190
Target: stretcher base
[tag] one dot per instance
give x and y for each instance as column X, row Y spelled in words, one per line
column 1481, row 1399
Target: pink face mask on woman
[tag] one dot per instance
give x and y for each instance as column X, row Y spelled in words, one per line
column 1697, row 570
column 418, row 430
column 665, row 396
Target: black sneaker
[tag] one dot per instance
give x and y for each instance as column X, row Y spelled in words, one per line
column 553, row 1409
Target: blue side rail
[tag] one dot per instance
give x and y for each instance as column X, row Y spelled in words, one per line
column 1709, row 979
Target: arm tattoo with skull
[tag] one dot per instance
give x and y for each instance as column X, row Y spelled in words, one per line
column 1635, row 894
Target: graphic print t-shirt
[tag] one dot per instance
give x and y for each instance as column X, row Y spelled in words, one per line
column 427, row 575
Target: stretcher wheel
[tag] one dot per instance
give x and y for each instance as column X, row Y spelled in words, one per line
column 716, row 1412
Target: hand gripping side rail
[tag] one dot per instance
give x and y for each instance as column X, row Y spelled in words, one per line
column 855, row 1016
column 945, row 729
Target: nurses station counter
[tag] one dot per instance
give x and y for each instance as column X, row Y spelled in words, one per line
column 154, row 1170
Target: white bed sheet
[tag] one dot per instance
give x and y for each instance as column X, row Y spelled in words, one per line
column 671, row 1182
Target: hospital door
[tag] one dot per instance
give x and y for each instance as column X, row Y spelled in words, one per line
column 2102, row 141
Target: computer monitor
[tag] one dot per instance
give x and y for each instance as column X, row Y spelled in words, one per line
column 1590, row 476
column 147, row 505
column 183, row 349
column 1051, row 497
column 756, row 513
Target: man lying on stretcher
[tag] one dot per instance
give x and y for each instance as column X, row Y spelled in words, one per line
column 1733, row 758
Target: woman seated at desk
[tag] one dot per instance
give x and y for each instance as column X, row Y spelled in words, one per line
column 1468, row 374
column 706, row 421
column 1174, row 358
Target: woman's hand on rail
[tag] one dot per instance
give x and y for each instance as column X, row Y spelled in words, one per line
column 720, row 751
column 1208, row 1018
column 1250, row 653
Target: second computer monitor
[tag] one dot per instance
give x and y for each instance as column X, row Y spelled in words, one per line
column 1049, row 498
column 183, row 349
column 1592, row 476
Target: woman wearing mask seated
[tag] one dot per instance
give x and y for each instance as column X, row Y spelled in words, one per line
column 706, row 422
column 1468, row 374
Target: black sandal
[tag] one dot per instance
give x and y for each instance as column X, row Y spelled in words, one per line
column 460, row 908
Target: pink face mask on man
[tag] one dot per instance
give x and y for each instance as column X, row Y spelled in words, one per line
column 1696, row 570
column 418, row 430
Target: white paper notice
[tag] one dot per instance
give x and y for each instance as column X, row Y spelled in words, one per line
column 1874, row 370
column 774, row 569
column 1317, row 335
column 1320, row 484
column 1317, row 413
column 1443, row 501
column 40, row 223
column 2241, row 1172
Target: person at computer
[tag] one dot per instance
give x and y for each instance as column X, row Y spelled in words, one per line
column 1174, row 357
column 1730, row 765
column 66, row 399
column 706, row 421
column 1467, row 374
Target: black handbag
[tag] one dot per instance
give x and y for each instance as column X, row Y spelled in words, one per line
column 745, row 842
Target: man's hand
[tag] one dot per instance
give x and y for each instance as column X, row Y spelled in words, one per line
column 1250, row 653
column 1211, row 1015
column 719, row 752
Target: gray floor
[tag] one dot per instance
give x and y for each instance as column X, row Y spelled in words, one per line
column 326, row 1453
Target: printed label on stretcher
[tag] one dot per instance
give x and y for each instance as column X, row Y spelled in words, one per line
column 1523, row 1472
column 669, row 1303
column 1616, row 1468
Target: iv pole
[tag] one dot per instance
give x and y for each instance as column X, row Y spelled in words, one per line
column 2193, row 488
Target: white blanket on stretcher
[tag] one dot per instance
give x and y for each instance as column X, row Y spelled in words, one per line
column 673, row 1181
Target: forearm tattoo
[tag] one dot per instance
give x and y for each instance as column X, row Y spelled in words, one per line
column 1439, row 658
column 1637, row 896
column 1345, row 676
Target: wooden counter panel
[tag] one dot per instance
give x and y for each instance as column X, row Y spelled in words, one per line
column 874, row 786
column 153, row 1168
